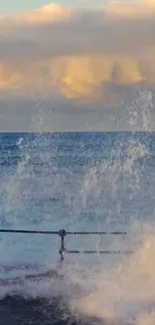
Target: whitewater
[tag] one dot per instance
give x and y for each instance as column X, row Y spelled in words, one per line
column 82, row 181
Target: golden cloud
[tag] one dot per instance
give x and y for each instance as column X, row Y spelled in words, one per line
column 131, row 9
column 47, row 14
column 84, row 77
column 78, row 77
column 76, row 60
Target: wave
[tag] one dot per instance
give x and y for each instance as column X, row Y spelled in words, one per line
column 40, row 311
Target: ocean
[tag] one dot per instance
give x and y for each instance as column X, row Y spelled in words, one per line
column 80, row 182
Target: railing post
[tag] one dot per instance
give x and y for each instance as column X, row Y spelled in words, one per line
column 62, row 234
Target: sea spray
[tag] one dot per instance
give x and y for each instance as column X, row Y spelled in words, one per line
column 125, row 292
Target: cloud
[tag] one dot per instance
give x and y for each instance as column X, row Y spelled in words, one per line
column 88, row 48
column 51, row 114
column 48, row 13
column 131, row 9
column 78, row 55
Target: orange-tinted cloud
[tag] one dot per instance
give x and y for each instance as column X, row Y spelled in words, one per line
column 131, row 9
column 78, row 53
column 49, row 13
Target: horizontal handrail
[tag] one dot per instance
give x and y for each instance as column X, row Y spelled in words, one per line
column 22, row 231
column 50, row 232
column 62, row 233
column 98, row 252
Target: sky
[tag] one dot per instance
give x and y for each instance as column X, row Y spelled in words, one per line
column 78, row 67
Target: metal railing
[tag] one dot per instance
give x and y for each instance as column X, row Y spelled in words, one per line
column 62, row 233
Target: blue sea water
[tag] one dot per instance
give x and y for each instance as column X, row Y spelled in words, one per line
column 79, row 182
